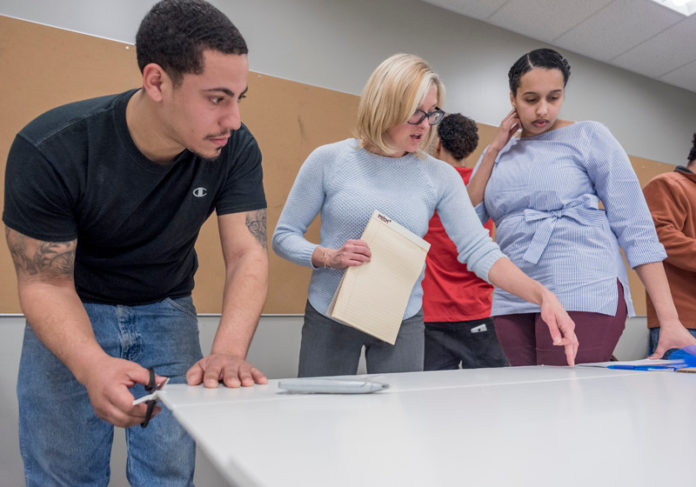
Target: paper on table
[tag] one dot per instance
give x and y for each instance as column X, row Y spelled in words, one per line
column 373, row 297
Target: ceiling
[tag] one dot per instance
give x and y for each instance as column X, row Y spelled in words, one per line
column 637, row 35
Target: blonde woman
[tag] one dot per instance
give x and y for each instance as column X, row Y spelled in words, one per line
column 385, row 169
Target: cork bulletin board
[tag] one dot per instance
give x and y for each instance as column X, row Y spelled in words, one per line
column 43, row 67
column 50, row 67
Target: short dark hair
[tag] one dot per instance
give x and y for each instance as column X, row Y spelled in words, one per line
column 458, row 135
column 538, row 58
column 174, row 34
column 692, row 154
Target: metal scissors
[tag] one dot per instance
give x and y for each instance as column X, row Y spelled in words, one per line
column 151, row 398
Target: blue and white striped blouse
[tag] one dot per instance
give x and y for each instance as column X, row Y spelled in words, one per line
column 544, row 196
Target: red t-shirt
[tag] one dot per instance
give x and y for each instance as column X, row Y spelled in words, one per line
column 450, row 291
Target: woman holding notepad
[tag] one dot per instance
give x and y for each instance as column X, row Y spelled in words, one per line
column 386, row 169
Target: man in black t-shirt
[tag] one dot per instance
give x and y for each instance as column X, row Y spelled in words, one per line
column 104, row 201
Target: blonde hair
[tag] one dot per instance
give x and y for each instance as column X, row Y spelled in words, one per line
column 391, row 96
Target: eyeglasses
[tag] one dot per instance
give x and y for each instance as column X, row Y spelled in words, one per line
column 433, row 117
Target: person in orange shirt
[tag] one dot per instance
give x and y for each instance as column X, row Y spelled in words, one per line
column 456, row 303
column 671, row 198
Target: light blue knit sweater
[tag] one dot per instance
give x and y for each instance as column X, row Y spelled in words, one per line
column 346, row 183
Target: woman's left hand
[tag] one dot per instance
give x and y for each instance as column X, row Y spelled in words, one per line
column 507, row 128
column 672, row 335
column 507, row 276
column 561, row 325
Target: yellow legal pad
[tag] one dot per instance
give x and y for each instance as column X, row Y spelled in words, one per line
column 373, row 297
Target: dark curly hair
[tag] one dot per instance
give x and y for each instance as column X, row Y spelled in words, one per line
column 458, row 135
column 174, row 34
column 538, row 58
column 692, row 154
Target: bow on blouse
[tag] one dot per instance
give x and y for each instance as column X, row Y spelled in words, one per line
column 584, row 211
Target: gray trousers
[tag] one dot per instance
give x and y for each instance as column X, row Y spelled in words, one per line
column 331, row 348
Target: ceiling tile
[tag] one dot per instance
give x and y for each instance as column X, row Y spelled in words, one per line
column 544, row 19
column 617, row 28
column 478, row 9
column 665, row 52
column 637, row 35
column 684, row 77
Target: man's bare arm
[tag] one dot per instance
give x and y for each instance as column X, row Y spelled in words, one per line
column 244, row 248
column 36, row 259
column 46, row 286
column 256, row 223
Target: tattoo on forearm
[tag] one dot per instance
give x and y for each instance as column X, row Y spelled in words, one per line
column 35, row 258
column 256, row 223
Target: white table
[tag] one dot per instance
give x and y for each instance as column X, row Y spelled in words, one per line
column 487, row 427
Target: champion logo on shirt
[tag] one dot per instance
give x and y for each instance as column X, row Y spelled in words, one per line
column 200, row 192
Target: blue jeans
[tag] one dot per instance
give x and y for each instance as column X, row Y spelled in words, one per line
column 331, row 348
column 473, row 344
column 655, row 338
column 63, row 442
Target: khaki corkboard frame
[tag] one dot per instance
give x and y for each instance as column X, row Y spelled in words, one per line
column 44, row 67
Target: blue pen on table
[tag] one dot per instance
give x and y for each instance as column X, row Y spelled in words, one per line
column 645, row 367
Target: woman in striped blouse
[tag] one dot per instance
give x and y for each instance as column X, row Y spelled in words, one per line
column 564, row 199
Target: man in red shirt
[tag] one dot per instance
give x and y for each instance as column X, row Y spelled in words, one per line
column 456, row 303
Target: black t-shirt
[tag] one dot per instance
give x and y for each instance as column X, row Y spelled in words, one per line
column 75, row 173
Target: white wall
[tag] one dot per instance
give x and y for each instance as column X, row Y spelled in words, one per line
column 337, row 43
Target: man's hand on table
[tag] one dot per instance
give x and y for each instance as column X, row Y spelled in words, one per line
column 231, row 370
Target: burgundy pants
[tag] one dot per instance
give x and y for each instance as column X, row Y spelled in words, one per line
column 526, row 340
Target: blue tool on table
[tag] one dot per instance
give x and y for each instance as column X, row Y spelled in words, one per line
column 682, row 357
column 687, row 354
